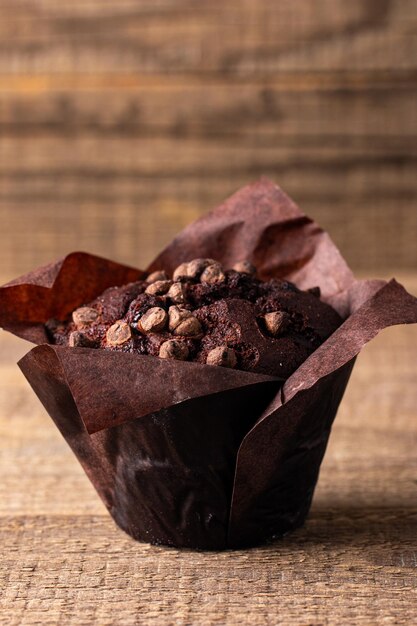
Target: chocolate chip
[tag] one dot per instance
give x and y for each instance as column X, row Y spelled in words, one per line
column 190, row 327
column 276, row 322
column 158, row 275
column 84, row 316
column 222, row 356
column 158, row 288
column 177, row 315
column 118, row 333
column 177, row 293
column 213, row 274
column 180, row 272
column 153, row 321
column 197, row 266
column 78, row 339
column 245, row 267
column 173, row 349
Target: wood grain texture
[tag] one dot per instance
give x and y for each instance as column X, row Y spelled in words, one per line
column 63, row 561
column 120, row 122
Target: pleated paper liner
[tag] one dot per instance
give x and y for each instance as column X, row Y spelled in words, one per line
column 192, row 455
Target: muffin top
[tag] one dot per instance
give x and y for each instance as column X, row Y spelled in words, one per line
column 207, row 314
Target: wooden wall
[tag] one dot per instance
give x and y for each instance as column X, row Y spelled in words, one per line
column 122, row 120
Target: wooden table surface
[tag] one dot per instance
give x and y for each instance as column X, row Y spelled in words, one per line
column 355, row 562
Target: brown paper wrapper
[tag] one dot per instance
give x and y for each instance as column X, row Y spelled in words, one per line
column 190, row 455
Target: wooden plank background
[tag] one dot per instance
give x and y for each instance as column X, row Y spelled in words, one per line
column 65, row 563
column 122, row 121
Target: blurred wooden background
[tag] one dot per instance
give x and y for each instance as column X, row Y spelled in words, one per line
column 123, row 120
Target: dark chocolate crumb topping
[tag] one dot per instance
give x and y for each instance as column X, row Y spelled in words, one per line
column 207, row 314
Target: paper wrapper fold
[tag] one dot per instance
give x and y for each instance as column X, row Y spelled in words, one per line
column 191, row 455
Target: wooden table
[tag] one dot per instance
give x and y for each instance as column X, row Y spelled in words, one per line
column 354, row 562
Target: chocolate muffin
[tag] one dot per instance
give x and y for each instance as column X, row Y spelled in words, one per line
column 207, row 314
column 184, row 447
